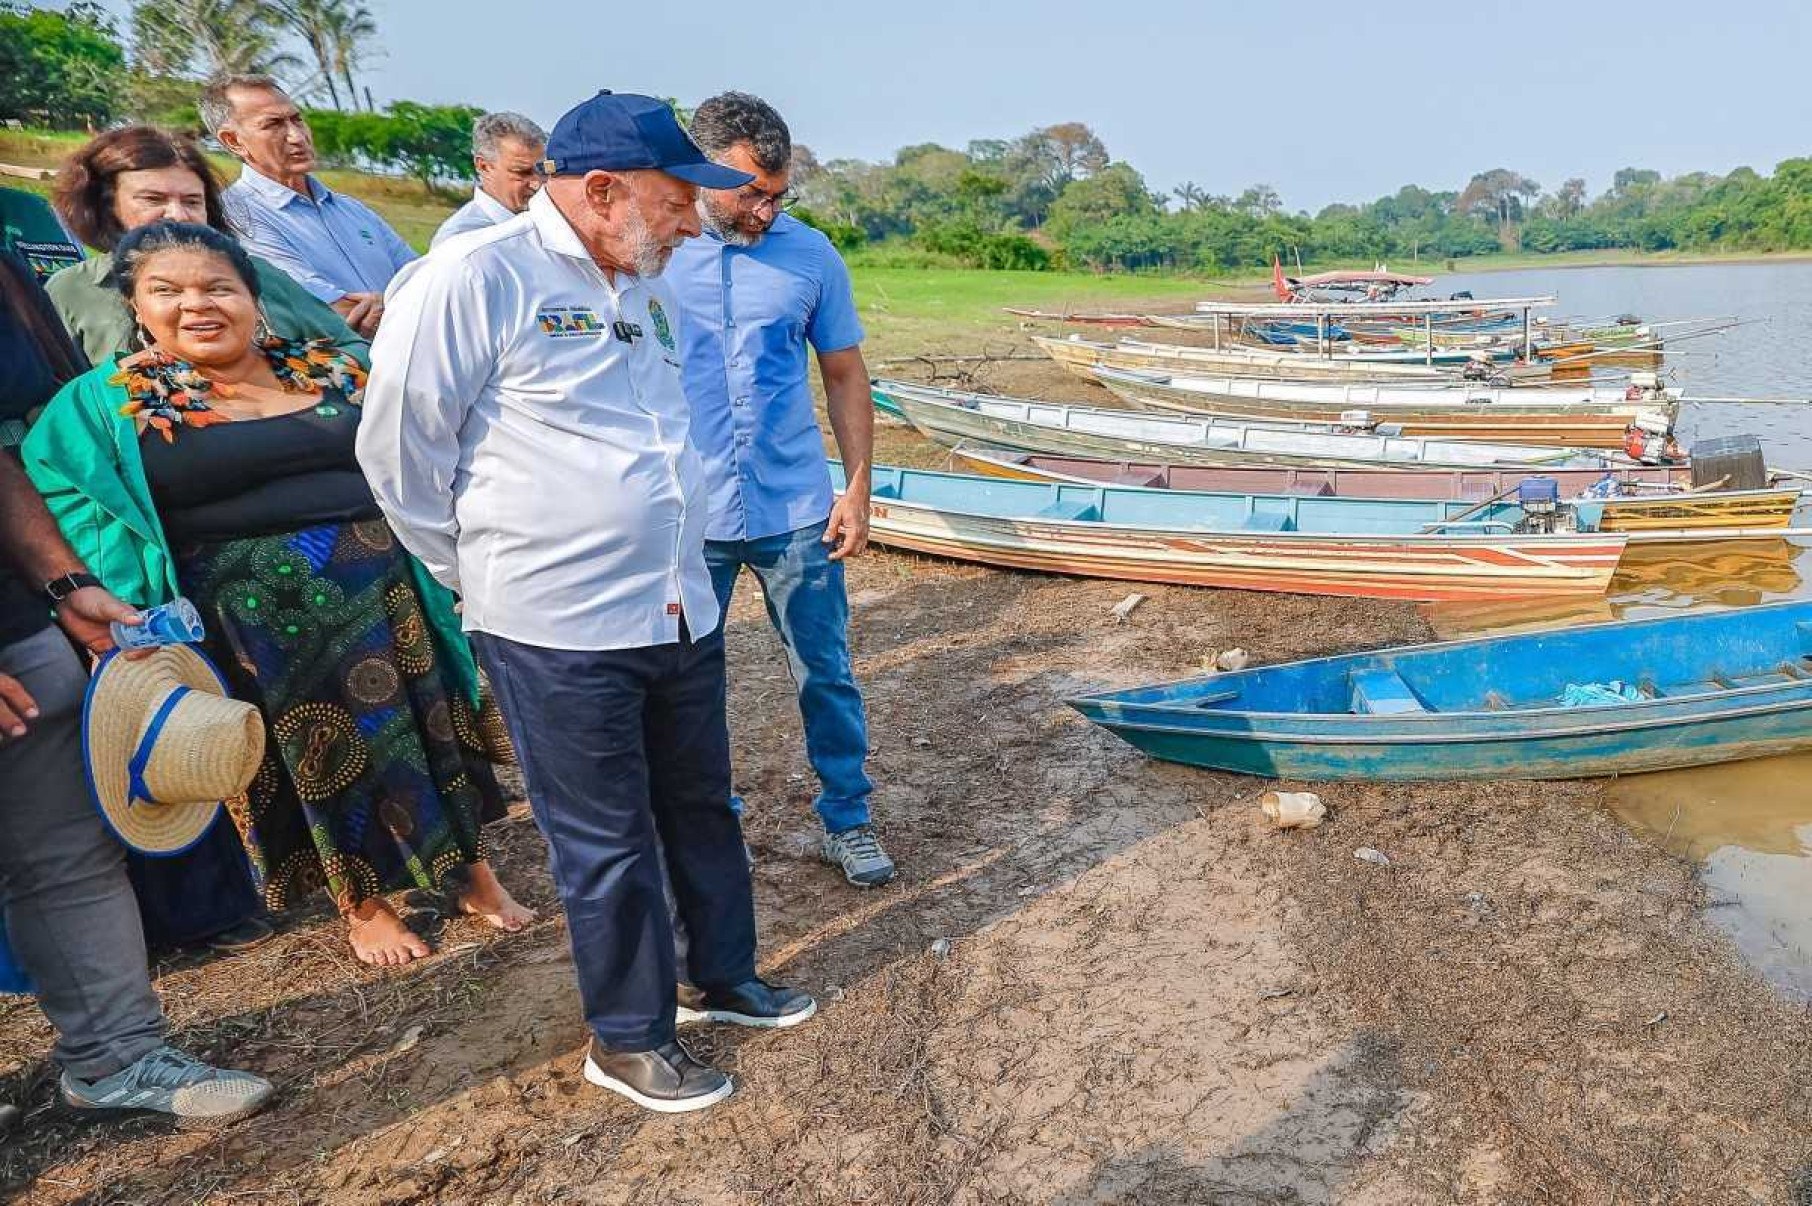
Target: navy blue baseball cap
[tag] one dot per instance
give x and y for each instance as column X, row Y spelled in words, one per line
column 623, row 132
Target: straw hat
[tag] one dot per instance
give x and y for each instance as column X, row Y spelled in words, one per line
column 164, row 746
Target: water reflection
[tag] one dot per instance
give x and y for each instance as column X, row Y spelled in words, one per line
column 1748, row 823
column 1651, row 580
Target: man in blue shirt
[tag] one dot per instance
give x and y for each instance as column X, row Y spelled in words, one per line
column 334, row 246
column 755, row 290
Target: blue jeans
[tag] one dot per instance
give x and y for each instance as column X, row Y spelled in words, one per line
column 619, row 748
column 809, row 607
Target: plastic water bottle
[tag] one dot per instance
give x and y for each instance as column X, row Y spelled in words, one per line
column 173, row 623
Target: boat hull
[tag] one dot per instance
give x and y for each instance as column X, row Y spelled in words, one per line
column 1392, row 567
column 1479, row 414
column 1710, row 687
column 1411, row 757
column 1079, row 356
column 1750, row 512
column 952, row 418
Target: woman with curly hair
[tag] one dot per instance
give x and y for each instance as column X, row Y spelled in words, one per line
column 131, row 177
column 218, row 464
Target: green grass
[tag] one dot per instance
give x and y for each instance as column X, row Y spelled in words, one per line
column 908, row 310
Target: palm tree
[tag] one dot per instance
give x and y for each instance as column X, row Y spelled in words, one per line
column 349, row 29
column 217, row 37
column 312, row 21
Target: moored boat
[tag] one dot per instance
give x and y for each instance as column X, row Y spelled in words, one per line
column 1566, row 417
column 1387, row 549
column 953, row 417
column 1603, row 699
column 1649, row 502
column 1081, row 355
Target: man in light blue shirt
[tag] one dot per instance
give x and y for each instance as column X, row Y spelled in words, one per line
column 755, row 290
column 334, row 246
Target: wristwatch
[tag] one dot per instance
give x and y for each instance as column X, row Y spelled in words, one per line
column 60, row 589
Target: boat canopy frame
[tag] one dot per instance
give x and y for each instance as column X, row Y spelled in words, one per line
column 1323, row 313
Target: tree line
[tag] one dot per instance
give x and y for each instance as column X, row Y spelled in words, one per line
column 1056, row 198
column 1051, row 198
column 73, row 68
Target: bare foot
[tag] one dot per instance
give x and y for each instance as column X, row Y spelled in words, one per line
column 379, row 936
column 489, row 899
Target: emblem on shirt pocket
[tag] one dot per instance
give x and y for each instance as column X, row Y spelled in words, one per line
column 569, row 322
column 658, row 316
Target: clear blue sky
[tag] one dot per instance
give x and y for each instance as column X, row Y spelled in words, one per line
column 1323, row 101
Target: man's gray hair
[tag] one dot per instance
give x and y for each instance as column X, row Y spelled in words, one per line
column 491, row 129
column 217, row 98
column 732, row 117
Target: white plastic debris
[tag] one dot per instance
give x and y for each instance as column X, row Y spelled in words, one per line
column 940, row 949
column 1124, row 608
column 1293, row 809
column 1230, row 660
column 1366, row 854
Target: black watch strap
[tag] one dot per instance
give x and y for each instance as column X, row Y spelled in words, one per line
column 60, row 589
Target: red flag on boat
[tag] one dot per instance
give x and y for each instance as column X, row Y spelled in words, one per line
column 1277, row 281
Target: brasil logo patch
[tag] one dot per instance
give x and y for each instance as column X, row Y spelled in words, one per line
column 658, row 317
column 569, row 322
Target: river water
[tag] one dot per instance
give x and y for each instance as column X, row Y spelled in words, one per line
column 1749, row 824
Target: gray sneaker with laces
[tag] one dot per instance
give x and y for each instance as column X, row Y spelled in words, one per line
column 858, row 852
column 168, row 1081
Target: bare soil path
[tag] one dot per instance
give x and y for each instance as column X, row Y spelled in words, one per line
column 1098, row 979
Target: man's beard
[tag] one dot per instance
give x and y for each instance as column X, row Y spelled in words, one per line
column 648, row 256
column 725, row 227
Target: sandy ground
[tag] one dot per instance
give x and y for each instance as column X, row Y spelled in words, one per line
column 1098, row 979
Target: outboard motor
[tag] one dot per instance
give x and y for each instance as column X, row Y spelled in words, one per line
column 1643, row 385
column 1649, row 439
column 1478, row 368
column 1539, row 498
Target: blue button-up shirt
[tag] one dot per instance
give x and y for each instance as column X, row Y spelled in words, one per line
column 748, row 314
column 331, row 244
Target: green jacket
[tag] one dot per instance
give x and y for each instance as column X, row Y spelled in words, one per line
column 101, row 325
column 83, row 456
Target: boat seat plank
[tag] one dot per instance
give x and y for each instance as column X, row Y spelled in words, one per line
column 1378, row 691
column 1063, row 509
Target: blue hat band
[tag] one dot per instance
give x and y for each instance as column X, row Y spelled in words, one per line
column 141, row 757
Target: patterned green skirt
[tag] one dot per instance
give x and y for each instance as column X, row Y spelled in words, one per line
column 376, row 775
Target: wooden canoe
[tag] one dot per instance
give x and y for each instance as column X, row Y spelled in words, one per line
column 953, row 417
column 1711, row 687
column 1654, row 499
column 1274, row 544
column 1096, row 319
column 1080, row 355
column 1559, row 416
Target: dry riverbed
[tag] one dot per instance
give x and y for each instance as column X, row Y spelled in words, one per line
column 1099, row 979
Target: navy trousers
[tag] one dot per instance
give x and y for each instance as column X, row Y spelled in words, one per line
column 617, row 747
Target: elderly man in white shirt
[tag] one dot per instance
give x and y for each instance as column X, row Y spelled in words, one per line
column 526, row 434
column 506, row 151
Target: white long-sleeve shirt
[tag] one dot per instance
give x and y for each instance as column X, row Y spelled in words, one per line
column 533, row 458
column 481, row 211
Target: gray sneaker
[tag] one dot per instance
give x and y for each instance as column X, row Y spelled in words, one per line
column 858, row 851
column 168, row 1081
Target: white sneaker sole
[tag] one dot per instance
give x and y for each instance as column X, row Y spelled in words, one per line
column 659, row 1105
column 683, row 1016
column 187, row 1122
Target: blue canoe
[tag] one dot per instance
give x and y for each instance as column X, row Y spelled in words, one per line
column 1708, row 688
